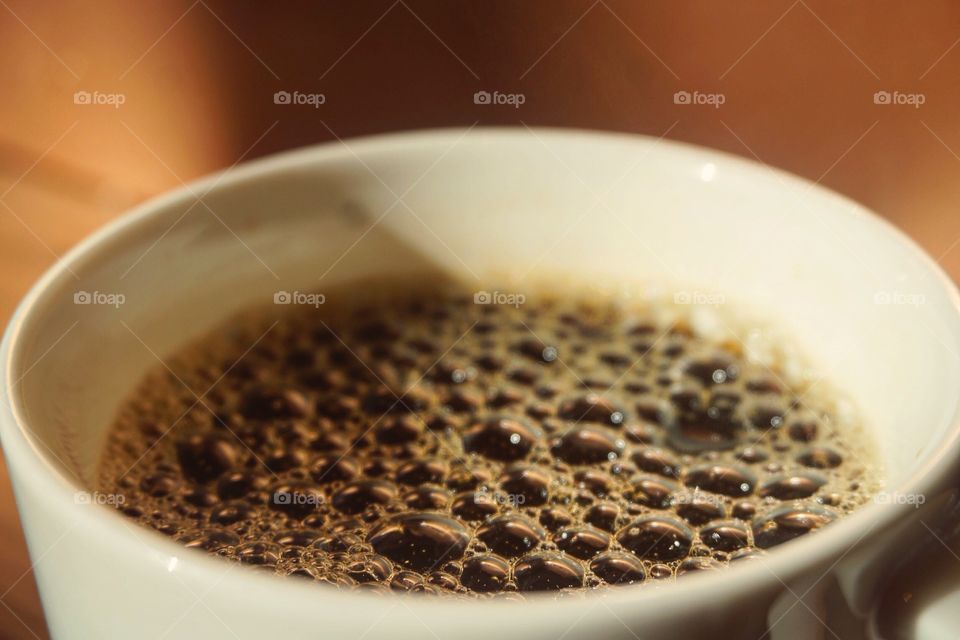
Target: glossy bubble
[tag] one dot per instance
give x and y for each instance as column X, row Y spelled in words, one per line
column 547, row 572
column 656, row 538
column 502, row 439
column 420, row 541
column 510, row 535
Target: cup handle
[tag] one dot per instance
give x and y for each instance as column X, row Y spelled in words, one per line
column 919, row 596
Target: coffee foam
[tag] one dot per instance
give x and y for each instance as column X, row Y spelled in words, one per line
column 397, row 439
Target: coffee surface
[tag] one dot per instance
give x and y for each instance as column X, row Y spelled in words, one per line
column 442, row 442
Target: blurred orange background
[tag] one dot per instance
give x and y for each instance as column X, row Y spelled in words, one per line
column 108, row 102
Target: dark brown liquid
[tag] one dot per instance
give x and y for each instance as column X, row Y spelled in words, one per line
column 428, row 443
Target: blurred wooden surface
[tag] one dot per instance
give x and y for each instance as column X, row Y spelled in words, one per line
column 197, row 78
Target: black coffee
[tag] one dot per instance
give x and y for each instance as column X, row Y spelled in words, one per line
column 448, row 443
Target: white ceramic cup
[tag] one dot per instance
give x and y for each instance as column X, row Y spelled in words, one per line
column 861, row 301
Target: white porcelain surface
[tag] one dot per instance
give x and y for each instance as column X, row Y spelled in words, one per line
column 475, row 205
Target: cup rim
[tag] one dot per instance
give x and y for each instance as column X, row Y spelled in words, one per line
column 23, row 450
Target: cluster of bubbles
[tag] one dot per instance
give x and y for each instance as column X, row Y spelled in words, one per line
column 425, row 443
